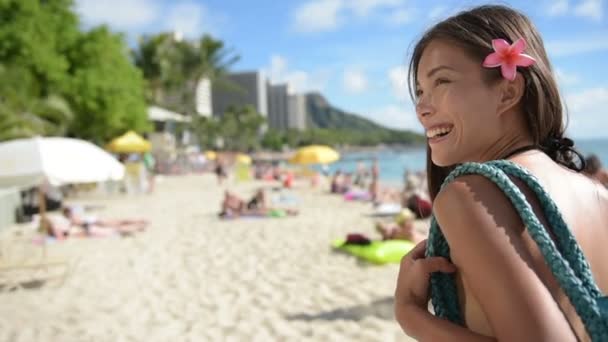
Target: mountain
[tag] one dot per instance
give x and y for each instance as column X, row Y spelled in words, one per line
column 321, row 114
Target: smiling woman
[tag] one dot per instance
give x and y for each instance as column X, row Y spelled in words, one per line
column 485, row 91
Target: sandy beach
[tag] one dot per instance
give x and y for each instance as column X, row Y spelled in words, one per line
column 193, row 277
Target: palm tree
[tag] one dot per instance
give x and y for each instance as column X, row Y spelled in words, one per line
column 174, row 67
column 22, row 116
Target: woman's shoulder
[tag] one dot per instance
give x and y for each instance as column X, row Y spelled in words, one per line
column 472, row 198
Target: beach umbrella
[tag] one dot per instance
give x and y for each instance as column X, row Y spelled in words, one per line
column 315, row 154
column 243, row 159
column 129, row 142
column 57, row 161
column 211, row 155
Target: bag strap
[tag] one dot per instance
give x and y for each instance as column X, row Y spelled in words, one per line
column 567, row 245
column 582, row 293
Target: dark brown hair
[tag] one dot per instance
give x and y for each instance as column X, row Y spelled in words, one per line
column 473, row 30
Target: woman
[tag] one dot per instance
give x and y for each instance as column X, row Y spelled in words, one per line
column 482, row 99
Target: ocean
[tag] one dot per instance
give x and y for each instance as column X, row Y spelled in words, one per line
column 393, row 164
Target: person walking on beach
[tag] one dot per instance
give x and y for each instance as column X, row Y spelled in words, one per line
column 485, row 90
column 220, row 170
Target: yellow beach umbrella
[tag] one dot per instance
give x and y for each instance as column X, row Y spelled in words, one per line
column 211, row 155
column 243, row 159
column 129, row 142
column 315, row 154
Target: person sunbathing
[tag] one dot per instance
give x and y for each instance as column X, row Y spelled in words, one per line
column 61, row 228
column 233, row 206
column 92, row 225
column 401, row 229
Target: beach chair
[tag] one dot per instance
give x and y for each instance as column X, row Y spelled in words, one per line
column 24, row 264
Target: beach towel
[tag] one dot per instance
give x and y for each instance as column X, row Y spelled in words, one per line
column 274, row 213
column 376, row 251
column 357, row 195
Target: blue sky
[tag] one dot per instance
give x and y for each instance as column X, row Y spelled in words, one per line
column 355, row 51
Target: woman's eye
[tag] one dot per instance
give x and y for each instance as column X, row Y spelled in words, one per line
column 441, row 81
column 418, row 93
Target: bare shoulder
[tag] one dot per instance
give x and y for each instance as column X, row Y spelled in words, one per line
column 473, row 198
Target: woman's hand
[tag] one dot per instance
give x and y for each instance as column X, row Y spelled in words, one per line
column 413, row 280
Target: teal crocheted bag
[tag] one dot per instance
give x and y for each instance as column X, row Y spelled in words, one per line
column 569, row 266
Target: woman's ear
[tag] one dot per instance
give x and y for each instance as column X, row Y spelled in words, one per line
column 511, row 93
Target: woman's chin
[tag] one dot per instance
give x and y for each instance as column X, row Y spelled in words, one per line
column 442, row 161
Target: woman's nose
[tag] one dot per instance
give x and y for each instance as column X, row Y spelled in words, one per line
column 423, row 108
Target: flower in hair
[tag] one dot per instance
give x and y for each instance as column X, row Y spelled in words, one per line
column 508, row 57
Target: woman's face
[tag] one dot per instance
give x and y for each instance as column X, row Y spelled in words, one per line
column 458, row 109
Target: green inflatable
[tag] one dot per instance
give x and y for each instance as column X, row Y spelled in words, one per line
column 378, row 252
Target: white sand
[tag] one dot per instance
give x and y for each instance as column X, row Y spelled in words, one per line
column 192, row 277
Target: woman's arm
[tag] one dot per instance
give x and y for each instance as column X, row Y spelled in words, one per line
column 423, row 326
column 485, row 235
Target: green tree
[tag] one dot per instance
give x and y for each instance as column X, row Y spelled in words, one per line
column 206, row 130
column 273, row 140
column 34, row 38
column 21, row 115
column 106, row 89
column 35, row 35
column 57, row 80
column 240, row 128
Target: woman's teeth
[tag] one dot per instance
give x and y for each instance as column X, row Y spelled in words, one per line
column 432, row 133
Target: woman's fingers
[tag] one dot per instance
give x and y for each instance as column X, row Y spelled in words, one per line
column 436, row 264
column 418, row 251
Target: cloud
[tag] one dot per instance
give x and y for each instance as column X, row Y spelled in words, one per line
column 364, row 8
column 588, row 100
column 329, row 15
column 566, row 79
column 300, row 81
column 570, row 47
column 354, row 81
column 591, row 9
column 587, row 112
column 400, row 17
column 318, row 16
column 187, row 18
column 398, row 79
column 142, row 16
column 558, row 7
column 124, row 15
column 395, row 116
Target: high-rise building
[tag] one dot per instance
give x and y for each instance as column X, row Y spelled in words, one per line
column 296, row 117
column 278, row 107
column 246, row 88
column 203, row 98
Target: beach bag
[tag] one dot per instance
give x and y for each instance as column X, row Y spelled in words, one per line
column 564, row 256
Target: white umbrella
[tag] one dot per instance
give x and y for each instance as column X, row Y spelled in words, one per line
column 56, row 161
column 35, row 161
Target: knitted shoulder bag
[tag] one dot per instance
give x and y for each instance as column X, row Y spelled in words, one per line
column 564, row 256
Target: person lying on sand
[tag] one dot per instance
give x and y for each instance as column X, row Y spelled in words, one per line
column 401, row 229
column 95, row 226
column 61, row 228
column 233, row 206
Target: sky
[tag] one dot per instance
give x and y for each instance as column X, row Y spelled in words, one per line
column 355, row 52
